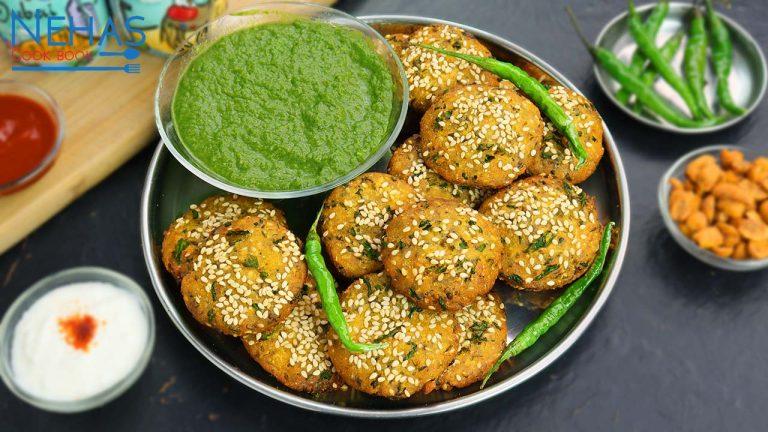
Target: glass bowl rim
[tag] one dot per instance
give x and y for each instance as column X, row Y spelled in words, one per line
column 385, row 145
column 686, row 243
column 50, row 157
column 42, row 287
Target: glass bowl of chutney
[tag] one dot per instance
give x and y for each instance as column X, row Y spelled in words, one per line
column 31, row 132
column 315, row 179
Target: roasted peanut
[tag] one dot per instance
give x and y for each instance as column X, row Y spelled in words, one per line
column 675, row 183
column 740, row 251
column 759, row 170
column 696, row 221
column 763, row 209
column 707, row 177
column 693, row 168
column 723, row 251
column 729, row 191
column 708, row 207
column 708, row 238
column 752, row 229
column 758, row 249
column 682, row 203
column 732, row 209
column 731, row 157
column 731, row 236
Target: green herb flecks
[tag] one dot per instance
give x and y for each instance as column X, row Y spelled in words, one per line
column 411, row 352
column 369, row 251
column 477, row 329
column 547, row 270
column 251, row 261
column 235, row 236
column 179, row 249
column 543, row 241
column 388, row 334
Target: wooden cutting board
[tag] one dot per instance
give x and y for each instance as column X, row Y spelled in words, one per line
column 108, row 118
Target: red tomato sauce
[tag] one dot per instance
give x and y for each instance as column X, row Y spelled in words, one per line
column 27, row 134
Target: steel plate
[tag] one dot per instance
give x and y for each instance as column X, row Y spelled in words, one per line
column 170, row 189
column 747, row 80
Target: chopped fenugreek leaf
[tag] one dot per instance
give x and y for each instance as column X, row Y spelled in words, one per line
column 179, row 249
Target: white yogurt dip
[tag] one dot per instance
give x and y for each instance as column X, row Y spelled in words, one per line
column 77, row 341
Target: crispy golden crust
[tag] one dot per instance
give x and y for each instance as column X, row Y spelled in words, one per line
column 184, row 235
column 296, row 351
column 431, row 74
column 420, row 343
column 407, row 164
column 482, row 337
column 442, row 255
column 480, row 136
column 245, row 278
column 353, row 220
column 552, row 154
column 550, row 232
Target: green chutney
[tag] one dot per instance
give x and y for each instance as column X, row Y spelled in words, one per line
column 284, row 106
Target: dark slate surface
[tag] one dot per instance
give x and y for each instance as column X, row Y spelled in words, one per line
column 679, row 346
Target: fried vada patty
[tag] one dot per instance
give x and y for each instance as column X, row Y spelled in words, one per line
column 296, row 351
column 407, row 164
column 420, row 343
column 482, row 337
column 553, row 156
column 353, row 220
column 431, row 74
column 441, row 254
column 183, row 237
column 550, row 232
column 480, row 135
column 245, row 278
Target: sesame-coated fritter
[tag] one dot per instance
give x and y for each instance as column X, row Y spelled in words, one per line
column 482, row 337
column 442, row 255
column 185, row 234
column 407, row 164
column 354, row 217
column 553, row 157
column 431, row 74
column 420, row 343
column 296, row 351
column 480, row 136
column 245, row 278
column 550, row 232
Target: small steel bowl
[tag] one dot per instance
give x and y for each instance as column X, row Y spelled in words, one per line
column 253, row 16
column 747, row 80
column 42, row 287
column 170, row 189
column 677, row 170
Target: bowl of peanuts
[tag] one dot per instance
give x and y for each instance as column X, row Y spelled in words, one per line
column 714, row 202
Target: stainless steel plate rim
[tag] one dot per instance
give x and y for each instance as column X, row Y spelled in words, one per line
column 155, row 273
column 666, row 126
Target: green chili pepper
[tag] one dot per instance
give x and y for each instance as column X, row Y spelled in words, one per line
column 643, row 92
column 555, row 311
column 652, row 26
column 534, row 90
column 695, row 61
column 326, row 287
column 648, row 46
column 722, row 59
column 668, row 50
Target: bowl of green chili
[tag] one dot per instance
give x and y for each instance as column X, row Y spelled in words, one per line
column 705, row 71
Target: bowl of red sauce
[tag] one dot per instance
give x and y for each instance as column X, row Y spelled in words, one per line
column 31, row 131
